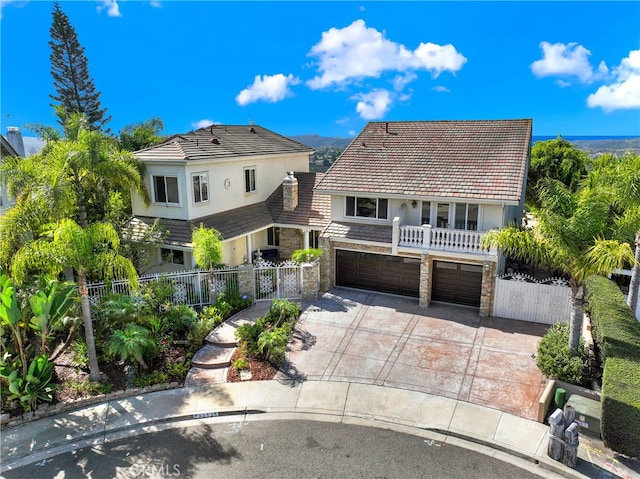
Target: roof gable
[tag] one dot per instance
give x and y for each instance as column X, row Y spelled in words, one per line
column 475, row 159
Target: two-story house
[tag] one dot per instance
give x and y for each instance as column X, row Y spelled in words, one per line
column 410, row 201
column 239, row 180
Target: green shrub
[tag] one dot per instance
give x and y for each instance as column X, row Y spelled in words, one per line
column 180, row 319
column 240, row 364
column 620, row 420
column 157, row 293
column 554, row 357
column 615, row 327
column 154, row 377
column 306, row 255
column 617, row 334
column 248, row 335
column 199, row 332
column 80, row 355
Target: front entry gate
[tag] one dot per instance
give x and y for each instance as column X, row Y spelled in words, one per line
column 281, row 281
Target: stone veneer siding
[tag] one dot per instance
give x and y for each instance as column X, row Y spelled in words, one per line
column 290, row 240
column 246, row 280
column 425, row 280
column 488, row 288
column 310, row 281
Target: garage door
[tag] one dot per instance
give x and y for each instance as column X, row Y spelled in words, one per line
column 377, row 272
column 456, row 283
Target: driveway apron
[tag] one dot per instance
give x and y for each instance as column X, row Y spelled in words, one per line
column 447, row 350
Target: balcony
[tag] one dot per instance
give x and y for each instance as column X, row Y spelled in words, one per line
column 427, row 237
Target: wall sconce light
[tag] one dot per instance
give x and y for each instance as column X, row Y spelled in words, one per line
column 414, row 203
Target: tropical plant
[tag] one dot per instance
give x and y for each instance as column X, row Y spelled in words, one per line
column 131, row 344
column 75, row 90
column 180, row 319
column 273, row 343
column 92, row 250
column 33, row 386
column 207, row 247
column 283, row 311
column 75, row 177
column 622, row 174
column 571, row 234
column 306, row 255
column 49, row 308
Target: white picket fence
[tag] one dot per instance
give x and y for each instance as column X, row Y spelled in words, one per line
column 189, row 287
column 522, row 297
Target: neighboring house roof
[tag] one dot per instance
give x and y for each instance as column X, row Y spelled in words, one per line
column 222, row 141
column 476, row 159
column 6, row 148
column 313, row 209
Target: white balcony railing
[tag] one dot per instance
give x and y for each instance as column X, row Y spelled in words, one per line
column 427, row 237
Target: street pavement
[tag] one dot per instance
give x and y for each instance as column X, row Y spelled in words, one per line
column 350, row 386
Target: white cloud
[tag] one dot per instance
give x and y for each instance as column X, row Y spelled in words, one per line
column 203, row 124
column 270, row 88
column 441, row 89
column 624, row 92
column 373, row 105
column 562, row 83
column 352, row 132
column 112, row 7
column 355, row 52
column 401, row 81
column 155, row 4
column 342, row 121
column 569, row 60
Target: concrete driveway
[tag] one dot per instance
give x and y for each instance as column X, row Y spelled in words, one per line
column 445, row 350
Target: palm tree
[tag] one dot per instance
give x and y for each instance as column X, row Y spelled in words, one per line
column 131, row 343
column 622, row 174
column 572, row 233
column 78, row 177
column 207, row 247
column 92, row 250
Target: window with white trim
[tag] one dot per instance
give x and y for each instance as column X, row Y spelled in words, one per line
column 426, row 213
column 250, row 179
column 466, row 216
column 200, row 187
column 165, row 190
column 367, row 207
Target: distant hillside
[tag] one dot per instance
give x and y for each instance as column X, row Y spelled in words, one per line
column 316, row 141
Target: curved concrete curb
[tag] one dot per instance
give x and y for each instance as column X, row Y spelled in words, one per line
column 441, row 419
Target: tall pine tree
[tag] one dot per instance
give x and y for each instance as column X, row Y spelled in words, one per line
column 75, row 90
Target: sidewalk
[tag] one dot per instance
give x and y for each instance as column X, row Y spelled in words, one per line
column 501, row 435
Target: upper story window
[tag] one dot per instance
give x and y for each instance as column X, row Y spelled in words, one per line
column 165, row 189
column 426, row 213
column 367, row 207
column 250, row 179
column 200, row 187
column 466, row 216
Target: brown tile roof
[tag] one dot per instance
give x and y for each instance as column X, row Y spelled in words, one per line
column 359, row 232
column 476, row 159
column 313, row 209
column 230, row 224
column 222, row 141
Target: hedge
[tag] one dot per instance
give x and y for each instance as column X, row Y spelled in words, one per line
column 617, row 333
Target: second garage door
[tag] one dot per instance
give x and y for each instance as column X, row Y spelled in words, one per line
column 377, row 272
column 456, row 283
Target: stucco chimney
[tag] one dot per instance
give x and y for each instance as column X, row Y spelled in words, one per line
column 290, row 192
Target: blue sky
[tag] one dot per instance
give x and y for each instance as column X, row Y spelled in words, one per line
column 329, row 67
